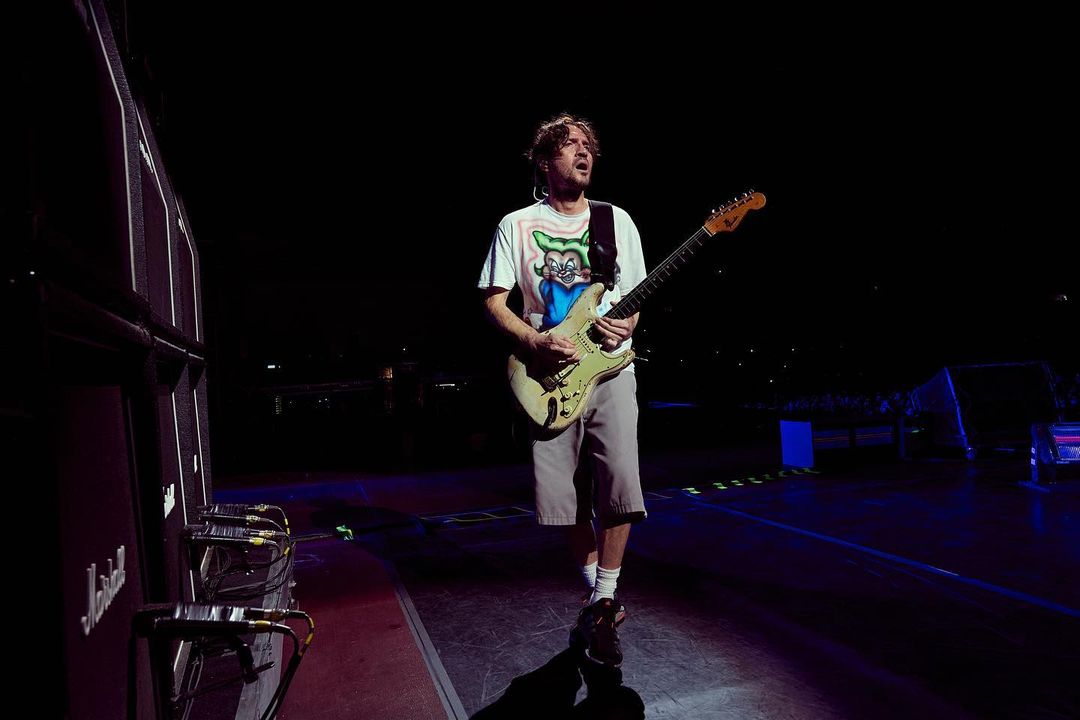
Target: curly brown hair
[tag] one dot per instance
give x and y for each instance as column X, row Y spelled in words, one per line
column 551, row 135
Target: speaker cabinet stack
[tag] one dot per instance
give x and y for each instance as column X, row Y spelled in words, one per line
column 104, row 387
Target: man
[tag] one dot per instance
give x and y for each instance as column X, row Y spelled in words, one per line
column 543, row 248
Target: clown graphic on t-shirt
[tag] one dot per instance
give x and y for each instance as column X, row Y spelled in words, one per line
column 565, row 274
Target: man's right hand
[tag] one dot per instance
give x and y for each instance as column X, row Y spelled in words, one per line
column 554, row 349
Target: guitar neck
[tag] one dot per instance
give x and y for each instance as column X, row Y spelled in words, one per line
column 725, row 219
column 660, row 274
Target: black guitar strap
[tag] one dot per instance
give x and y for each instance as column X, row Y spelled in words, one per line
column 602, row 250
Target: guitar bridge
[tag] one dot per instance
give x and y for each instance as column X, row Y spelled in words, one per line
column 551, row 382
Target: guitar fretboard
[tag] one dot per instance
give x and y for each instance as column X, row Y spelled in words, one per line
column 634, row 299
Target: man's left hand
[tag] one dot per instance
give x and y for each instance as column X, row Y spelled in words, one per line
column 615, row 332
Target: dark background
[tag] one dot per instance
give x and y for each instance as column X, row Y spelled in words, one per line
column 344, row 175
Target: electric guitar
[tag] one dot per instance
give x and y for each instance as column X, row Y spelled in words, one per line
column 554, row 396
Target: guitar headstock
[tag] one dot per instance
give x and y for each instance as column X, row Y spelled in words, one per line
column 727, row 217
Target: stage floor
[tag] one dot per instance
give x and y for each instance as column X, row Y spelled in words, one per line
column 887, row 590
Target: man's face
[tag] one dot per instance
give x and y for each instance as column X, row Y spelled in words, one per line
column 571, row 167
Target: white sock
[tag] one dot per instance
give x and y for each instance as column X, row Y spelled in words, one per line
column 605, row 583
column 589, row 573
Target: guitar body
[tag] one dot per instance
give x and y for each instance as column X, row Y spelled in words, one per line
column 554, row 396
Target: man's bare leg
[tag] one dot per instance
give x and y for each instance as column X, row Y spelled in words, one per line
column 609, row 555
column 582, row 543
column 613, row 545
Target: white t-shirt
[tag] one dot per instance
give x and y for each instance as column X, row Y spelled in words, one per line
column 546, row 253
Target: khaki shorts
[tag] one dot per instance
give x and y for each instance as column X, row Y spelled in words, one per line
column 607, row 482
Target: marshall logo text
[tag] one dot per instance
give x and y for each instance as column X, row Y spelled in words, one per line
column 98, row 600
